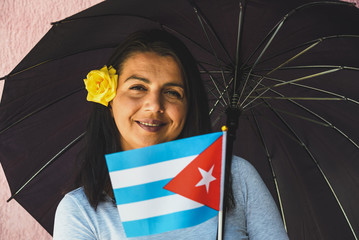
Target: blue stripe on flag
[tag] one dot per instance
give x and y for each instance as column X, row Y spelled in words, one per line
column 142, row 192
column 160, row 152
column 169, row 222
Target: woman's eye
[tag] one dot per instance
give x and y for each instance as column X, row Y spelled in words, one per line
column 174, row 94
column 138, row 88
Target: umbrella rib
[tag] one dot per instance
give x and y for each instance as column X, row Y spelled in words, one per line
column 280, row 66
column 29, row 68
column 275, row 30
column 318, row 166
column 38, row 110
column 312, row 42
column 47, row 164
column 319, row 66
column 56, row 58
column 292, row 114
column 296, row 56
column 64, row 21
column 289, row 14
column 189, row 39
column 300, row 98
column 259, row 57
column 163, row 26
column 328, row 123
column 214, row 72
column 240, row 23
column 200, row 18
column 337, row 96
column 325, row 121
column 101, row 47
column 267, row 88
column 217, row 101
column 316, row 162
column 216, row 86
column 302, row 117
column 288, row 113
column 221, row 97
column 274, row 175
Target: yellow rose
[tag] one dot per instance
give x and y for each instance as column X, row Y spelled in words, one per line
column 101, row 85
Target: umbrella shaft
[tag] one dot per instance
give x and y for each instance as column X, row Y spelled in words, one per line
column 232, row 124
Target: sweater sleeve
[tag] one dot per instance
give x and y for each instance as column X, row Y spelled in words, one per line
column 262, row 215
column 71, row 222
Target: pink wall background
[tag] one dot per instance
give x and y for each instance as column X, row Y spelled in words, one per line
column 22, row 24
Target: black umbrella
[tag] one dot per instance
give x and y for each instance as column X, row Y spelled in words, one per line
column 286, row 72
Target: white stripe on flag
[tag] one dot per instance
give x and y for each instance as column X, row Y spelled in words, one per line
column 150, row 208
column 149, row 173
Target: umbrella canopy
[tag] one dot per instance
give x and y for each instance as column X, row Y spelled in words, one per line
column 286, row 70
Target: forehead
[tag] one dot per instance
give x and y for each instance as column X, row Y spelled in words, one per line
column 148, row 56
column 151, row 63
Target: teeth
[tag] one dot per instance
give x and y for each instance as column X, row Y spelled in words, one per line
column 150, row 124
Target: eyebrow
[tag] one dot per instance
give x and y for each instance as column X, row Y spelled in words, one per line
column 137, row 78
column 145, row 80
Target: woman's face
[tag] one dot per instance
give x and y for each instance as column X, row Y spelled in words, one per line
column 150, row 106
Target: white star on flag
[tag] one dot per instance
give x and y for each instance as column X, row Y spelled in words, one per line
column 207, row 178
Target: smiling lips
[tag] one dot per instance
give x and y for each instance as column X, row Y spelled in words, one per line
column 151, row 125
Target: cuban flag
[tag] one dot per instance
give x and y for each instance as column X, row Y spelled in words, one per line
column 168, row 186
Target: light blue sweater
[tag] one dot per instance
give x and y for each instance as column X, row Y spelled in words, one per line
column 255, row 216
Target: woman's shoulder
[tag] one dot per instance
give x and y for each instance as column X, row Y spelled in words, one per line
column 245, row 174
column 70, row 212
column 76, row 218
column 78, row 198
column 242, row 166
column 76, row 194
column 76, row 203
column 74, row 199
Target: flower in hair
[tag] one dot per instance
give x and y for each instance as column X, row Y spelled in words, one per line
column 101, row 85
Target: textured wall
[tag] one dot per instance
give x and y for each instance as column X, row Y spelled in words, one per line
column 22, row 24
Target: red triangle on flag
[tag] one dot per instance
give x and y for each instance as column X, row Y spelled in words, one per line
column 200, row 180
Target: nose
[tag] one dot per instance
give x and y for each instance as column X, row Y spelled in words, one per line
column 154, row 102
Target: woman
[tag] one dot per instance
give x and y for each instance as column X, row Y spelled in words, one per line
column 159, row 98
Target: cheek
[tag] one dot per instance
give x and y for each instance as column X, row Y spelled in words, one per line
column 123, row 108
column 178, row 114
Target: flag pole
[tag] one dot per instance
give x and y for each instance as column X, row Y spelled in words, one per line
column 223, row 167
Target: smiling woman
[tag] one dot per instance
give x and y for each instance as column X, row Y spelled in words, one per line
column 159, row 97
column 152, row 89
